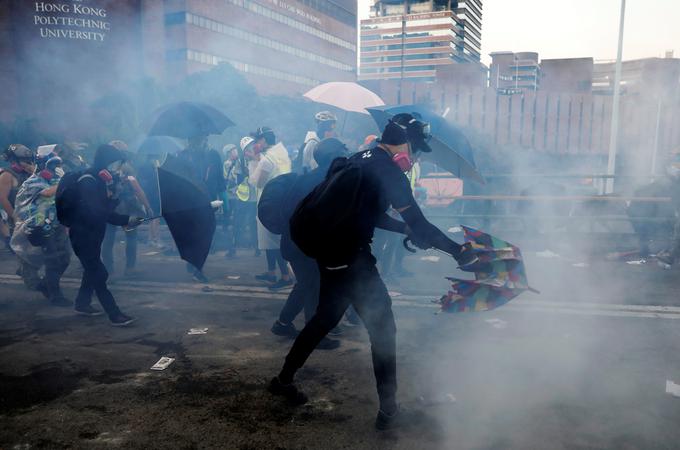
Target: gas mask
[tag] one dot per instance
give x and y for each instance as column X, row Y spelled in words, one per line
column 403, row 161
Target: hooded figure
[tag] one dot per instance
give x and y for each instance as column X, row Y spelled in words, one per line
column 96, row 205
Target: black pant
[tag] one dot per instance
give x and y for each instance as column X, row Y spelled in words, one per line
column 358, row 285
column 56, row 257
column 305, row 293
column 130, row 247
column 94, row 272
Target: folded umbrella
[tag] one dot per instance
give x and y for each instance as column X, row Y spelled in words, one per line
column 188, row 119
column 185, row 205
column 451, row 150
column 499, row 272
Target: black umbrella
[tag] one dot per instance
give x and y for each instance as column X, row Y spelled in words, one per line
column 186, row 208
column 189, row 119
column 450, row 148
column 157, row 145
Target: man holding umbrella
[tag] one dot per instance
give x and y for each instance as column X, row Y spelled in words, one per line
column 347, row 267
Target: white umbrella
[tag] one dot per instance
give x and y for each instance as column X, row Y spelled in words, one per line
column 348, row 96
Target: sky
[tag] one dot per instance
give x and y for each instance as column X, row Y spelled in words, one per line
column 571, row 29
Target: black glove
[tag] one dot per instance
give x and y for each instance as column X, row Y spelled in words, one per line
column 466, row 256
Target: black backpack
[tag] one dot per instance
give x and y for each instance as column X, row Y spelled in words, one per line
column 67, row 197
column 273, row 208
column 326, row 225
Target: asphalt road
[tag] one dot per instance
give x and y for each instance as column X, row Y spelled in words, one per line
column 583, row 364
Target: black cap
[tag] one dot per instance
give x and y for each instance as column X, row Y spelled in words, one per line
column 417, row 131
column 329, row 149
column 393, row 134
column 105, row 155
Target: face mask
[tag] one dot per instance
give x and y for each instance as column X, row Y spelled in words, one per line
column 403, row 161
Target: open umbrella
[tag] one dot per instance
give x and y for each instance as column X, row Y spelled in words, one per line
column 348, row 96
column 500, row 276
column 188, row 119
column 450, row 148
column 185, row 205
column 157, row 145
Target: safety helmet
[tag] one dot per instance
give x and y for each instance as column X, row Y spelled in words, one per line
column 18, row 152
column 325, row 116
column 245, row 142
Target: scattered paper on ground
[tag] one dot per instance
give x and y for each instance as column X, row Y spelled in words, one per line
column 455, row 230
column 547, row 254
column 150, row 253
column 430, row 258
column 580, row 265
column 497, row 323
column 207, row 289
column 163, row 363
column 637, row 262
column 394, row 294
column 233, row 277
column 672, row 388
column 197, row 331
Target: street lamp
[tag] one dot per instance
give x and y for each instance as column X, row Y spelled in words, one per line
column 613, row 136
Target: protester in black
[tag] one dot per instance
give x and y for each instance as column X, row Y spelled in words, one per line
column 355, row 281
column 95, row 209
column 305, row 293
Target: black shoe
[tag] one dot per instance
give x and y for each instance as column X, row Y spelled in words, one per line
column 289, row 391
column 401, row 418
column 281, row 284
column 87, row 311
column 282, row 329
column 328, row 344
column 61, row 301
column 266, row 277
column 199, row 277
column 121, row 320
column 42, row 288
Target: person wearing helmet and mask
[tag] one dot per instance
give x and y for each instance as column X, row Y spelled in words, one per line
column 348, row 273
column 21, row 161
column 325, row 128
column 39, row 240
column 96, row 205
column 235, row 173
column 274, row 161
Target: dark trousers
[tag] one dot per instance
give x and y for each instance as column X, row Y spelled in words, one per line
column 273, row 258
column 94, row 273
column 358, row 285
column 305, row 293
column 56, row 257
column 130, row 247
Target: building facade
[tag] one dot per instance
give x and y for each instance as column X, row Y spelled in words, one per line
column 413, row 39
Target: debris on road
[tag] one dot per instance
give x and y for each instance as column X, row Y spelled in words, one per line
column 547, row 254
column 207, row 289
column 455, row 230
column 637, row 262
column 430, row 258
column 394, row 294
column 163, row 363
column 150, row 253
column 672, row 388
column 497, row 323
column 233, row 277
column 193, row 331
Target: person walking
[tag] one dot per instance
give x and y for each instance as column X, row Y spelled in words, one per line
column 348, row 272
column 94, row 207
column 274, row 161
column 325, row 128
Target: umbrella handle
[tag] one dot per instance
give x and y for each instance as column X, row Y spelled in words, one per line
column 407, row 246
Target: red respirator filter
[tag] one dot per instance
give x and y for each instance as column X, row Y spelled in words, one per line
column 46, row 174
column 105, row 176
column 403, row 161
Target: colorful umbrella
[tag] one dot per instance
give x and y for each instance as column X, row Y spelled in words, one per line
column 499, row 276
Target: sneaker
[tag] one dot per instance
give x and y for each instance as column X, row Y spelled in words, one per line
column 337, row 331
column 401, row 418
column 328, row 344
column 60, row 301
column 289, row 391
column 281, row 284
column 121, row 320
column 282, row 329
column 467, row 256
column 199, row 277
column 266, row 277
column 88, row 311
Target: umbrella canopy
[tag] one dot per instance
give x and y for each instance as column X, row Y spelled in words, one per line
column 189, row 119
column 185, row 205
column 500, row 276
column 157, row 145
column 450, row 148
column 348, row 96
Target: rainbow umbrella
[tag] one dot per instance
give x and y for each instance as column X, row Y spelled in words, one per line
column 499, row 272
